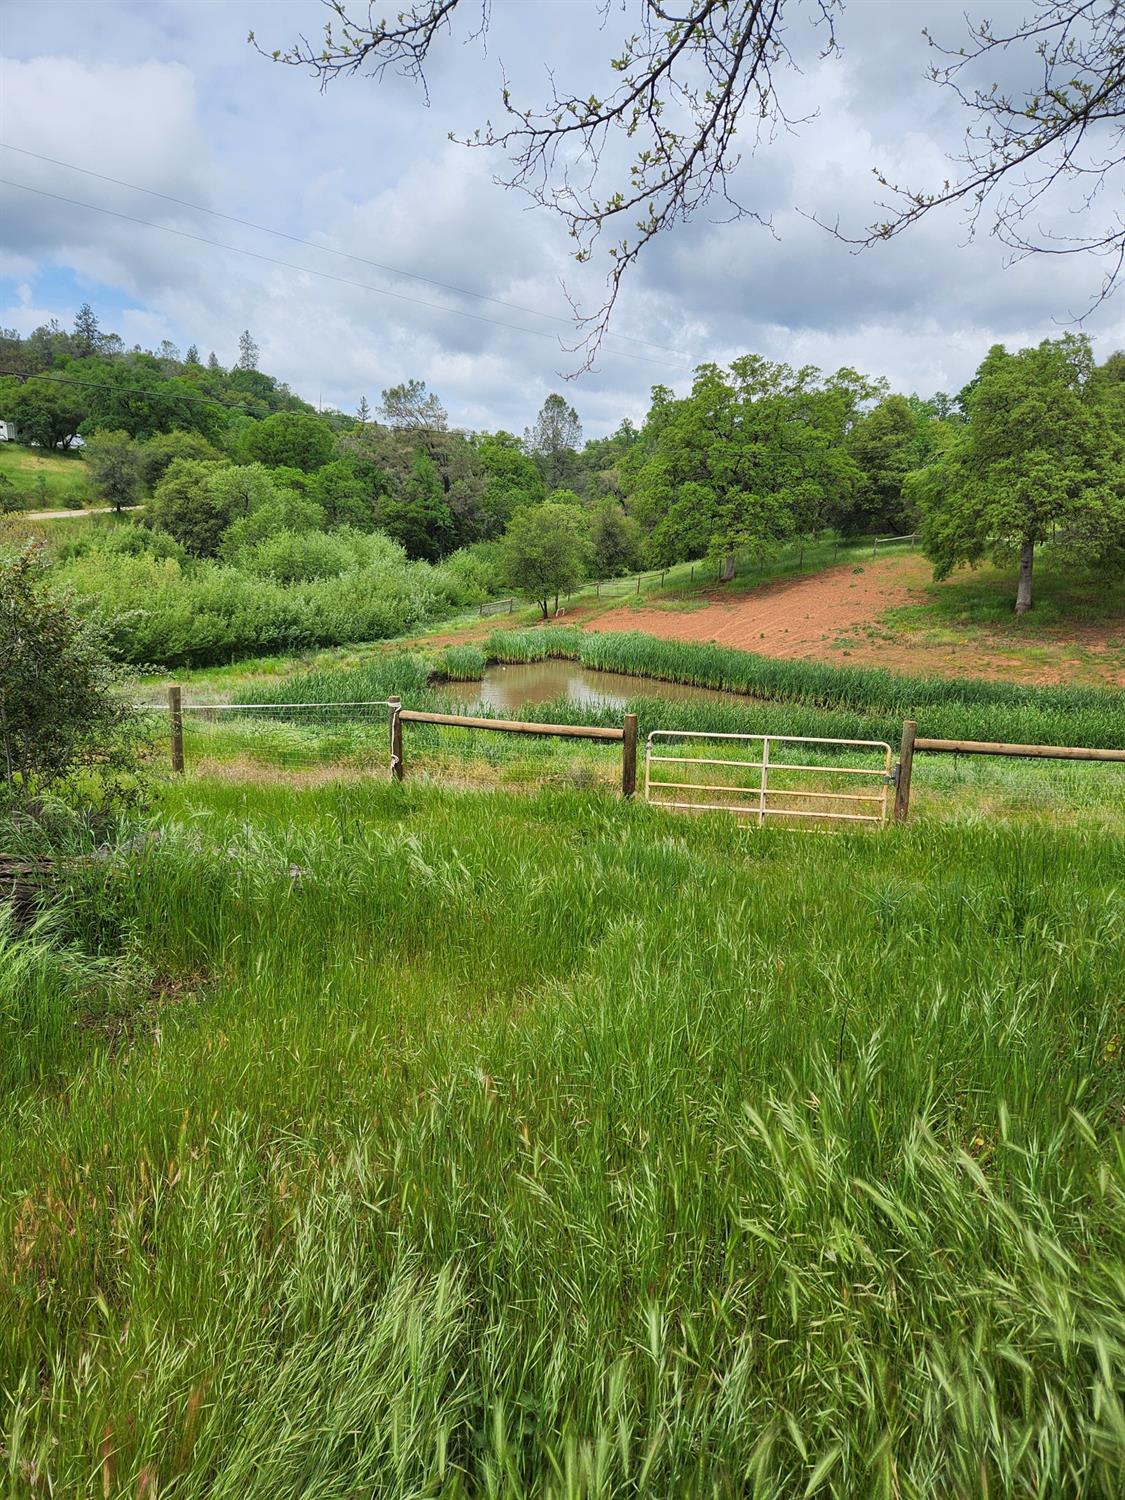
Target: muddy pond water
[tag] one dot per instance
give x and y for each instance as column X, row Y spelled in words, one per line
column 508, row 688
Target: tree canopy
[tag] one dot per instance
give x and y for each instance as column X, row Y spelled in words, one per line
column 290, row 439
column 554, row 439
column 751, row 457
column 1041, row 458
column 545, row 552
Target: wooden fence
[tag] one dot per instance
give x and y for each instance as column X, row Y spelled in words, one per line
column 626, row 736
column 915, row 744
column 911, row 744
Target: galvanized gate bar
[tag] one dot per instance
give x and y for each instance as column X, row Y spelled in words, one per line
column 756, row 799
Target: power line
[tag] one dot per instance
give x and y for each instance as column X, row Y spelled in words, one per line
column 308, row 270
column 314, row 245
column 289, row 265
column 128, row 390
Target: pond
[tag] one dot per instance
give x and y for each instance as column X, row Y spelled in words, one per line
column 507, row 688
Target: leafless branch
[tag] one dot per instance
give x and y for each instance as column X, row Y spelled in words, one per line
column 690, row 75
column 1065, row 125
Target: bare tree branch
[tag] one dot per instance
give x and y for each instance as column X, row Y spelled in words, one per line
column 689, row 76
column 1066, row 124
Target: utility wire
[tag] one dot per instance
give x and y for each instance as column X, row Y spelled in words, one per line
column 128, row 390
column 295, row 239
column 289, row 265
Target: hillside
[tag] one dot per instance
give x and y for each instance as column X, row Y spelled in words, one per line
column 41, row 480
column 889, row 612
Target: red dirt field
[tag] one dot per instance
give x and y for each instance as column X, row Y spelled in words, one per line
column 806, row 617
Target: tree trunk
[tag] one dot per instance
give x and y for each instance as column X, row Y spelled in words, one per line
column 728, row 568
column 1023, row 590
column 543, row 606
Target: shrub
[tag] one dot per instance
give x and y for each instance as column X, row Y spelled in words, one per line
column 60, row 711
column 296, row 557
column 473, row 574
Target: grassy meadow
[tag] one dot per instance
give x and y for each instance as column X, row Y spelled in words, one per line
column 46, row 481
column 400, row 1141
column 488, row 1136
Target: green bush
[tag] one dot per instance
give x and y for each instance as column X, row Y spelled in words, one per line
column 297, row 557
column 283, row 593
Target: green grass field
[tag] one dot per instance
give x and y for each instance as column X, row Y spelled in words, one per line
column 489, row 1136
column 396, row 1141
column 46, row 481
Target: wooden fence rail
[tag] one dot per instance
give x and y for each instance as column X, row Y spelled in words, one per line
column 626, row 736
column 913, row 743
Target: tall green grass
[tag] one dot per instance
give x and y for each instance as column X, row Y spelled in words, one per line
column 968, row 707
column 461, row 1151
column 766, row 696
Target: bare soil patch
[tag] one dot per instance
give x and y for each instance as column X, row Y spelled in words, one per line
column 834, row 616
column 787, row 617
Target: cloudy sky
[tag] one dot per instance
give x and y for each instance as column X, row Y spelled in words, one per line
column 166, row 95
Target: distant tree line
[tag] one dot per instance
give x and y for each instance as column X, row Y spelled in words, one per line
column 754, row 457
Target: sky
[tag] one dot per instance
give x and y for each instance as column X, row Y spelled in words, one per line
column 167, row 95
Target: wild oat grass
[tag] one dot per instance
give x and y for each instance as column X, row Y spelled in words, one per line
column 473, row 1145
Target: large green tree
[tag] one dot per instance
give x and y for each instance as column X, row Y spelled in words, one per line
column 545, row 551
column 887, row 444
column 161, row 451
column 511, row 480
column 218, row 507
column 753, row 456
column 1041, row 458
column 423, row 478
column 135, row 394
column 411, row 407
column 554, row 439
column 615, row 539
column 45, row 411
column 417, row 514
column 186, row 506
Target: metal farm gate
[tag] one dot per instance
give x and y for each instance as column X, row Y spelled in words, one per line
column 757, row 796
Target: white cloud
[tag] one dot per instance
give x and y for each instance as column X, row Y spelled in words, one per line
column 170, row 97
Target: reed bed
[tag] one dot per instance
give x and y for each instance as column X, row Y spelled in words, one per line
column 970, row 707
column 467, row 1145
column 790, row 698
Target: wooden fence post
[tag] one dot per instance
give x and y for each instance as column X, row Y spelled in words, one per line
column 629, row 756
column 398, row 770
column 176, row 726
column 905, row 766
column 638, row 583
